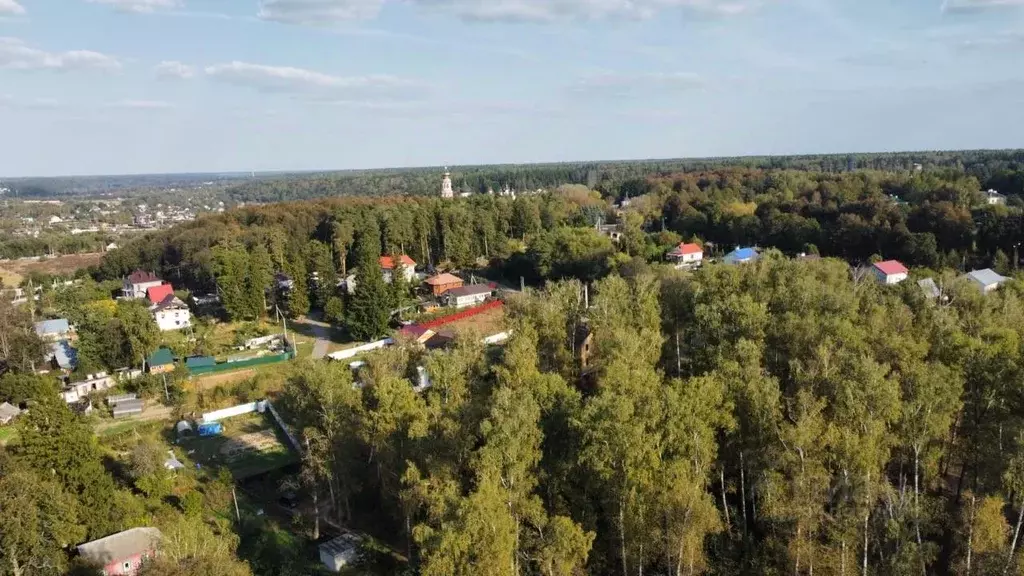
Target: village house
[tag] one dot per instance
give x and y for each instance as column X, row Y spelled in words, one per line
column 169, row 312
column 993, row 198
column 468, row 295
column 93, row 383
column 340, row 552
column 406, row 264
column 890, row 272
column 137, row 283
column 122, row 554
column 686, row 255
column 986, row 280
column 740, row 256
column 443, row 282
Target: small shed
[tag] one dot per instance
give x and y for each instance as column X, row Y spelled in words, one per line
column 8, row 413
column 340, row 552
column 128, row 408
column 119, row 398
column 161, row 361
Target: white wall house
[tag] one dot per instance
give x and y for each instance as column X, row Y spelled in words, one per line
column 406, row 265
column 92, row 383
column 994, row 198
column 890, row 272
column 171, row 314
column 468, row 295
column 136, row 284
column 340, row 552
column 686, row 255
column 986, row 280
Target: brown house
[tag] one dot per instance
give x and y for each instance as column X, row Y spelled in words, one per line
column 443, row 282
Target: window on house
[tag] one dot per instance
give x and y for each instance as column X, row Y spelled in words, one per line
column 127, row 565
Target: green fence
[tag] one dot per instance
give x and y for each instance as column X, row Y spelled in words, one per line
column 228, row 366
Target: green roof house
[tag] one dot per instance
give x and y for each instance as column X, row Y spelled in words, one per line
column 161, row 361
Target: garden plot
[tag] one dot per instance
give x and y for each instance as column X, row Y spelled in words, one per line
column 250, row 445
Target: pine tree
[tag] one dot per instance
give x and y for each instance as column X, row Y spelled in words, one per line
column 259, row 279
column 368, row 310
column 298, row 297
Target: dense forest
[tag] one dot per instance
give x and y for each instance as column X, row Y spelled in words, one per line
column 932, row 219
column 779, row 417
column 999, row 169
column 764, row 419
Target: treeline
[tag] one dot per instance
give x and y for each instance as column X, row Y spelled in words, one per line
column 933, row 219
column 771, row 418
column 51, row 243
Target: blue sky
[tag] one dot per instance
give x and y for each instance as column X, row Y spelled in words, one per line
column 138, row 86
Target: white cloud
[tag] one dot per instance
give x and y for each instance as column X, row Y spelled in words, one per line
column 16, row 54
column 955, row 6
column 299, row 80
column 317, row 12
column 139, row 6
column 174, row 69
column 616, row 84
column 11, row 8
column 325, row 12
column 142, row 105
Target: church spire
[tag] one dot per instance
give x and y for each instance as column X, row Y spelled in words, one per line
column 446, row 185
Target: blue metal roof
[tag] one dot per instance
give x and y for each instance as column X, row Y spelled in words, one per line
column 52, row 327
column 740, row 255
column 65, row 356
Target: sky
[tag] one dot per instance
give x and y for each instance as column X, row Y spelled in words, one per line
column 161, row 86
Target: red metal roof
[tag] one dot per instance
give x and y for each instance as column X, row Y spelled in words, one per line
column 891, row 267
column 158, row 294
column 388, row 263
column 690, row 249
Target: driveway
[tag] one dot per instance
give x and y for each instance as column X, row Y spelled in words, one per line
column 322, row 332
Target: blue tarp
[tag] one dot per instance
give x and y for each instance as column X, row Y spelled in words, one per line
column 57, row 327
column 210, row 429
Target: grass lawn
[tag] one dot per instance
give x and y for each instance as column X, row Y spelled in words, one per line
column 251, row 444
column 7, row 435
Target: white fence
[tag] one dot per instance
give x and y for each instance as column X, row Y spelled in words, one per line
column 287, row 431
column 497, row 338
column 230, row 412
column 351, row 352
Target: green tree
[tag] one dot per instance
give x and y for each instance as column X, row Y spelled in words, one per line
column 368, row 311
column 321, row 263
column 40, row 520
column 334, row 310
column 138, row 330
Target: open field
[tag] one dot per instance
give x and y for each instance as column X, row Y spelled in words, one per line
column 485, row 324
column 251, row 444
column 13, row 271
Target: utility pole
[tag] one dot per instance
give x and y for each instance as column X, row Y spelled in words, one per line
column 167, row 395
column 234, row 497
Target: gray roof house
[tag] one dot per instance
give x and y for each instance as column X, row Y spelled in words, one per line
column 930, row 289
column 986, row 280
column 56, row 329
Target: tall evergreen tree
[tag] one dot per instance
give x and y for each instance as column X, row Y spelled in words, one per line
column 368, row 309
